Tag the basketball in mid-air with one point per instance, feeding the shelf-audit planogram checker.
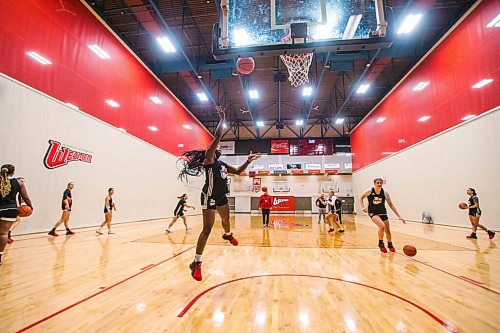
(245, 65)
(462, 205)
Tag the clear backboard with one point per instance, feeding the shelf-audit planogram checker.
(253, 27)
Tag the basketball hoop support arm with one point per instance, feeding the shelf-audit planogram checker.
(381, 22)
(223, 39)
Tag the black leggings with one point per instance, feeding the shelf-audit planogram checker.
(265, 216)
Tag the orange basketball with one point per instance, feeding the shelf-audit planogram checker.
(409, 250)
(24, 211)
(463, 205)
(264, 189)
(245, 65)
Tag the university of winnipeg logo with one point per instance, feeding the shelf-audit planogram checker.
(278, 201)
(59, 155)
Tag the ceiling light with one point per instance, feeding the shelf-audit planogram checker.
(470, 116)
(380, 120)
(112, 103)
(254, 94)
(39, 58)
(260, 123)
(153, 128)
(495, 22)
(363, 88)
(299, 122)
(424, 118)
(307, 91)
(100, 52)
(202, 97)
(339, 121)
(352, 26)
(155, 100)
(482, 83)
(166, 44)
(409, 23)
(180, 145)
(241, 37)
(73, 106)
(421, 86)
(186, 126)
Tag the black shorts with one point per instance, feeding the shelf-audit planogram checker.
(383, 216)
(474, 212)
(106, 210)
(179, 214)
(212, 202)
(9, 213)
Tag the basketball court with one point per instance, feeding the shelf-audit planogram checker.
(344, 100)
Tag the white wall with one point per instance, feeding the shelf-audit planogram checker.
(145, 177)
(433, 176)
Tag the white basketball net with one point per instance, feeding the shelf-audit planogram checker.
(298, 67)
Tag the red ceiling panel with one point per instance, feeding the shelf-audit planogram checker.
(466, 56)
(61, 31)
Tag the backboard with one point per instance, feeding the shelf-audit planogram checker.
(257, 27)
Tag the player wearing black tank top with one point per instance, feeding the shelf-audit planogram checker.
(475, 215)
(109, 206)
(179, 212)
(10, 187)
(377, 197)
(66, 205)
(213, 196)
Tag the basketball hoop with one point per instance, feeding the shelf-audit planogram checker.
(298, 64)
(298, 67)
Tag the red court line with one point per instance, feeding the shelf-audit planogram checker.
(98, 293)
(146, 267)
(427, 312)
(463, 278)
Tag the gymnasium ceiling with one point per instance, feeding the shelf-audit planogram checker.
(138, 22)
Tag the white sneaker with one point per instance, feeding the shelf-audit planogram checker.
(99, 231)
(110, 232)
(168, 231)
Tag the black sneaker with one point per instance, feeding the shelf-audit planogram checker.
(341, 230)
(195, 268)
(331, 230)
(472, 236)
(491, 234)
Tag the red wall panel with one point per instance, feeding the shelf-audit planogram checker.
(78, 76)
(466, 56)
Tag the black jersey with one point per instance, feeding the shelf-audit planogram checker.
(9, 201)
(67, 196)
(472, 201)
(320, 203)
(109, 208)
(180, 207)
(216, 179)
(376, 202)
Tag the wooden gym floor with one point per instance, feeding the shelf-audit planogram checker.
(292, 277)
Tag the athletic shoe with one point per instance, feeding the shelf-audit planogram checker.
(168, 231)
(99, 232)
(392, 249)
(342, 230)
(10, 240)
(230, 238)
(267, 225)
(53, 233)
(110, 232)
(491, 234)
(382, 248)
(195, 268)
(472, 236)
(69, 232)
(331, 230)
